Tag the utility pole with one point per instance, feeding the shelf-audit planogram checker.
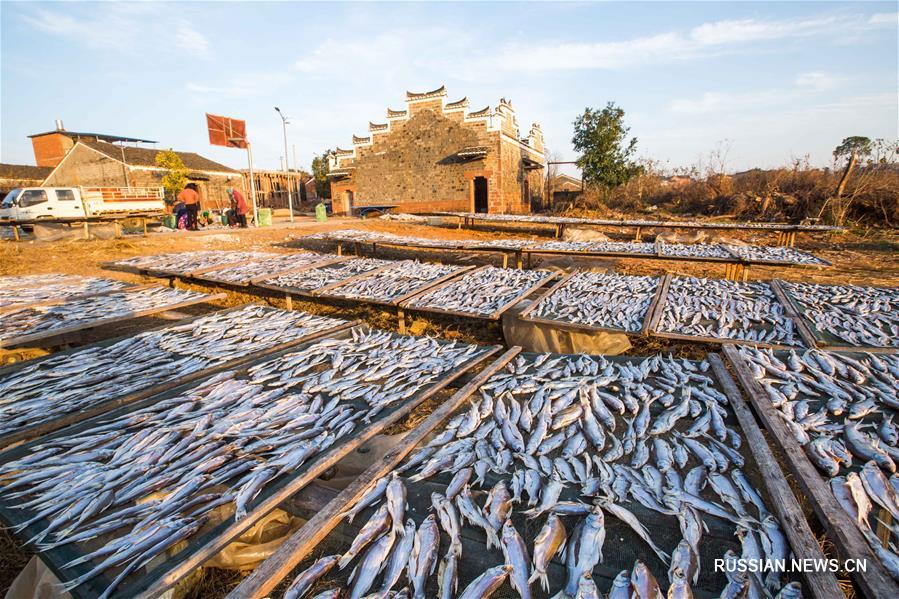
(286, 165)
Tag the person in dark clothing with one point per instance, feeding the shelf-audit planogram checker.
(191, 200)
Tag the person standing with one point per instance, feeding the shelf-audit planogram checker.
(191, 200)
(240, 208)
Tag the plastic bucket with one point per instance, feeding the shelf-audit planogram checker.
(225, 219)
(265, 217)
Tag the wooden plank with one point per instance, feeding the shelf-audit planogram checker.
(447, 278)
(523, 314)
(353, 279)
(720, 340)
(792, 310)
(404, 303)
(822, 585)
(46, 337)
(659, 299)
(210, 276)
(268, 574)
(511, 304)
(842, 530)
(43, 428)
(654, 318)
(174, 570)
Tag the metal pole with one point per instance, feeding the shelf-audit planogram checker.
(125, 166)
(296, 169)
(252, 185)
(287, 169)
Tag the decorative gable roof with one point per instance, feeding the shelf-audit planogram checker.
(437, 93)
(361, 140)
(457, 105)
(480, 113)
(395, 114)
(375, 127)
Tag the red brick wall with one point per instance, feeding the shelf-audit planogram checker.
(50, 149)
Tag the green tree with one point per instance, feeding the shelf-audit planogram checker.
(606, 156)
(320, 173)
(856, 145)
(175, 178)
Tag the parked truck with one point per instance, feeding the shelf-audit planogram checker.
(73, 203)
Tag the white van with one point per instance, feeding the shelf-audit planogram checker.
(51, 203)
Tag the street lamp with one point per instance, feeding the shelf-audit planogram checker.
(286, 165)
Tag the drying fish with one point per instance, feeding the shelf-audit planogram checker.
(17, 291)
(481, 292)
(47, 389)
(599, 300)
(726, 310)
(304, 581)
(858, 316)
(391, 283)
(242, 430)
(45, 319)
(776, 254)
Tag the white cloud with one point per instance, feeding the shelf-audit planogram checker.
(751, 30)
(704, 40)
(884, 18)
(122, 26)
(242, 86)
(818, 80)
(720, 102)
(191, 40)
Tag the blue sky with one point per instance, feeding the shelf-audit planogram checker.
(777, 79)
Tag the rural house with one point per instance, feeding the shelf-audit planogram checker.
(92, 159)
(438, 156)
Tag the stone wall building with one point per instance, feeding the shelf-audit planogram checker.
(439, 156)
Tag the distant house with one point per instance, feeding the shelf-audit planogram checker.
(566, 183)
(271, 187)
(77, 158)
(21, 175)
(565, 189)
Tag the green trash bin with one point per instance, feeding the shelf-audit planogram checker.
(169, 221)
(224, 219)
(265, 217)
(321, 212)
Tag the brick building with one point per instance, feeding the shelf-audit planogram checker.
(92, 159)
(439, 156)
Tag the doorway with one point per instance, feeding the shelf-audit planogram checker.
(480, 195)
(348, 197)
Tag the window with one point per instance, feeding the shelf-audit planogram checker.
(31, 197)
(65, 195)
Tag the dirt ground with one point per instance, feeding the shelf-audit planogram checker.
(859, 258)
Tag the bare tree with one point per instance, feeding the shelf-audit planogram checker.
(549, 181)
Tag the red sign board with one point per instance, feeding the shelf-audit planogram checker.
(225, 131)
